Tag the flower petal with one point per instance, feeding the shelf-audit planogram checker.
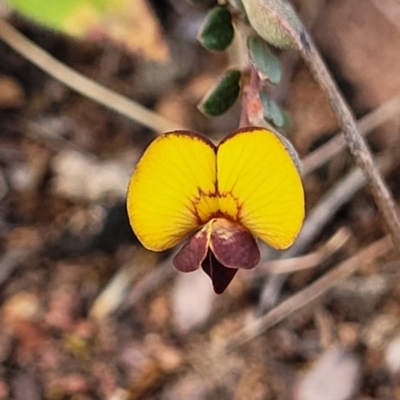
(193, 253)
(173, 189)
(233, 245)
(220, 275)
(259, 185)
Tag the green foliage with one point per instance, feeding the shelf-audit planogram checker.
(223, 95)
(274, 20)
(267, 64)
(272, 112)
(217, 32)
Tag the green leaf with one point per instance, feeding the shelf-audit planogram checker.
(222, 96)
(275, 21)
(267, 64)
(217, 32)
(272, 112)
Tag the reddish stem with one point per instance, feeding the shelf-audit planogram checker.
(251, 104)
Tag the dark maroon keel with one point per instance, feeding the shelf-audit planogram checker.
(220, 275)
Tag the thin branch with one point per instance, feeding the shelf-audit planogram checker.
(311, 260)
(149, 283)
(81, 84)
(356, 142)
(31, 243)
(277, 22)
(310, 293)
(366, 124)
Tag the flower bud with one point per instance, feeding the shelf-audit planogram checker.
(274, 20)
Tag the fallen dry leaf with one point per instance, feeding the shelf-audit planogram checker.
(132, 25)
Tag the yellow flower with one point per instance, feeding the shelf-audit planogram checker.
(223, 196)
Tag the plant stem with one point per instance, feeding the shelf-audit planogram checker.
(277, 22)
(81, 84)
(355, 141)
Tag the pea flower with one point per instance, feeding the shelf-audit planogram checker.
(219, 197)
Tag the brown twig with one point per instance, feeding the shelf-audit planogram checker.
(28, 243)
(366, 124)
(81, 84)
(277, 22)
(310, 293)
(311, 260)
(128, 286)
(149, 283)
(355, 141)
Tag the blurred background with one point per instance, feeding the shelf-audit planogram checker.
(87, 313)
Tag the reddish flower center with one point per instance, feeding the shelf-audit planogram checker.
(220, 247)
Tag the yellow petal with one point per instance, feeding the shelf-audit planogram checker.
(173, 189)
(259, 185)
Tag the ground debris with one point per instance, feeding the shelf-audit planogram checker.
(86, 313)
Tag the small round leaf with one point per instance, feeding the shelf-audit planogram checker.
(272, 112)
(267, 64)
(217, 32)
(275, 21)
(222, 96)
